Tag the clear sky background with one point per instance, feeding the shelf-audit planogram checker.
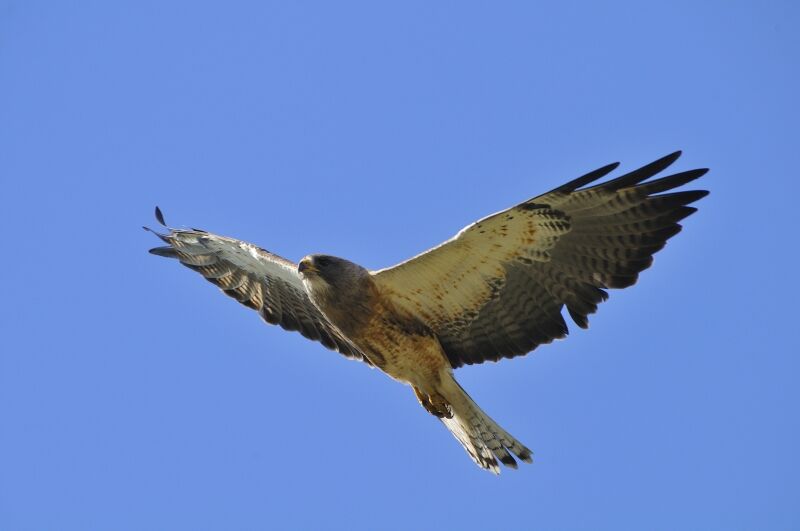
(133, 395)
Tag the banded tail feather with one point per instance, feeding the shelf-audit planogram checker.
(483, 439)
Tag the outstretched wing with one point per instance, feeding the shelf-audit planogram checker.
(496, 290)
(256, 278)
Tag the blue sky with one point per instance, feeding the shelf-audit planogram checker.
(134, 396)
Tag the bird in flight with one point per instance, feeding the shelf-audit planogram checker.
(495, 290)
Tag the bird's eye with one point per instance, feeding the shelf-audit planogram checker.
(323, 261)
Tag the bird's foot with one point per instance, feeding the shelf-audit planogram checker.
(435, 404)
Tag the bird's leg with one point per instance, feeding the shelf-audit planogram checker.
(435, 403)
(422, 397)
(440, 407)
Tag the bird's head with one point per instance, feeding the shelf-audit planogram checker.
(322, 271)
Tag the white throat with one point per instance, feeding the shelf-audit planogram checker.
(315, 286)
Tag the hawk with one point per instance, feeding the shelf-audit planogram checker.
(495, 290)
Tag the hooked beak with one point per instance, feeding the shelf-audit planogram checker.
(306, 266)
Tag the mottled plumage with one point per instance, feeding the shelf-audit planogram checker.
(496, 290)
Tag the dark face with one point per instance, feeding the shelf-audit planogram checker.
(322, 266)
(338, 287)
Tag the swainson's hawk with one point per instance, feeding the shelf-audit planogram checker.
(496, 290)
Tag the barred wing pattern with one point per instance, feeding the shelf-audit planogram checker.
(256, 278)
(497, 289)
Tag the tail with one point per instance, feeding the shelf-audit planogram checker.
(481, 437)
